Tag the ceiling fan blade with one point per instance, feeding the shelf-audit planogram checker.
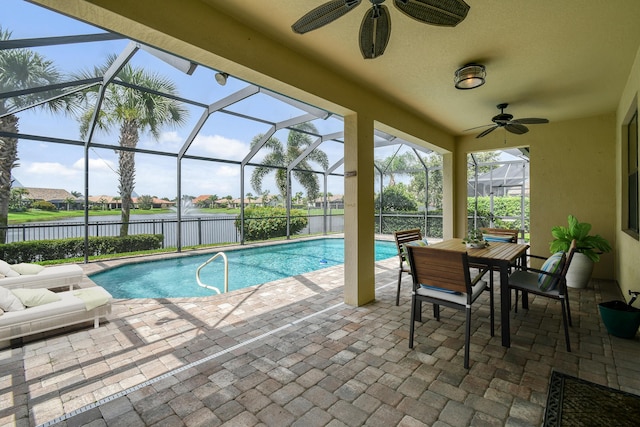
(516, 128)
(478, 127)
(486, 132)
(530, 121)
(435, 12)
(375, 31)
(323, 14)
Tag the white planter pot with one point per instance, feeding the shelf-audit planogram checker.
(580, 271)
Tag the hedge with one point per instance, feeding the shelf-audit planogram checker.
(262, 223)
(44, 250)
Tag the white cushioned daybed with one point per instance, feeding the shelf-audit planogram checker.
(30, 311)
(34, 276)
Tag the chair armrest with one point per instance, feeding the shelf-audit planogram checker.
(480, 274)
(537, 256)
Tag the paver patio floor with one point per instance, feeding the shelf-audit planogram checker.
(292, 353)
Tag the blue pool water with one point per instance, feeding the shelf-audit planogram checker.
(247, 267)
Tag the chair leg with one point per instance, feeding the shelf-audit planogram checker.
(436, 312)
(565, 323)
(566, 298)
(467, 338)
(516, 305)
(398, 292)
(412, 321)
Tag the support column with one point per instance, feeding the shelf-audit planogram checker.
(359, 256)
(449, 214)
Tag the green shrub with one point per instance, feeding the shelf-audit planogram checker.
(45, 250)
(44, 206)
(502, 207)
(261, 223)
(396, 198)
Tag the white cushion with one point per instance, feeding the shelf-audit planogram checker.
(8, 301)
(460, 299)
(5, 269)
(35, 297)
(68, 304)
(25, 268)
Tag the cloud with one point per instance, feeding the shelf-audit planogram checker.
(46, 169)
(96, 165)
(219, 147)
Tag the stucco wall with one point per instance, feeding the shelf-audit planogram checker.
(572, 172)
(628, 248)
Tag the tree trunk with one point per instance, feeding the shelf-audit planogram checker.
(127, 171)
(8, 159)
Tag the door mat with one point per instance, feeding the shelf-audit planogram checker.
(575, 402)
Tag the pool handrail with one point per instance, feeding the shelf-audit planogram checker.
(226, 273)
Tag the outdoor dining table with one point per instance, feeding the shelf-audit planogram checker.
(497, 254)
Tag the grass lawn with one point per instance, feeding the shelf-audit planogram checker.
(34, 215)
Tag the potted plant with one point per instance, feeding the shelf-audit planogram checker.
(620, 318)
(474, 239)
(587, 253)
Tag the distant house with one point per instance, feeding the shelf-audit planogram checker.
(157, 203)
(114, 202)
(60, 198)
(335, 201)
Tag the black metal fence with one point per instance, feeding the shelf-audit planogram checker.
(207, 230)
(203, 230)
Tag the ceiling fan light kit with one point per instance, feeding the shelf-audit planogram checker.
(375, 29)
(470, 76)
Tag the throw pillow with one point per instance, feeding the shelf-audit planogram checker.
(27, 268)
(547, 282)
(6, 270)
(422, 242)
(35, 297)
(8, 301)
(496, 238)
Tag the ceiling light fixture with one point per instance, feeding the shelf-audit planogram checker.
(470, 76)
(221, 78)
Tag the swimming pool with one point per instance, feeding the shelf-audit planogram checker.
(247, 267)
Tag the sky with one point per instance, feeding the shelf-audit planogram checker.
(224, 136)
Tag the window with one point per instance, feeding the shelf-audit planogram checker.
(632, 168)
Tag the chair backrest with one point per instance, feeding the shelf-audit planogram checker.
(511, 234)
(405, 236)
(439, 268)
(565, 267)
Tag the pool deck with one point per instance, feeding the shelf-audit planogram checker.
(291, 352)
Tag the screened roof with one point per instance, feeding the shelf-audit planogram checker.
(212, 143)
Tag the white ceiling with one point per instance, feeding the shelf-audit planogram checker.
(547, 58)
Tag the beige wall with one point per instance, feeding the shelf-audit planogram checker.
(572, 172)
(627, 247)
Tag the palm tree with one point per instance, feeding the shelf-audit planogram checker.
(19, 69)
(281, 157)
(212, 200)
(134, 112)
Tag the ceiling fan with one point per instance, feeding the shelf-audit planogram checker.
(376, 24)
(504, 120)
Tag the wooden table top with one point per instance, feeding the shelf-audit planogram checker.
(499, 251)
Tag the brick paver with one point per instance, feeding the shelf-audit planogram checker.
(347, 366)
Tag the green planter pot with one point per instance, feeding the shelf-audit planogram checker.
(620, 319)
